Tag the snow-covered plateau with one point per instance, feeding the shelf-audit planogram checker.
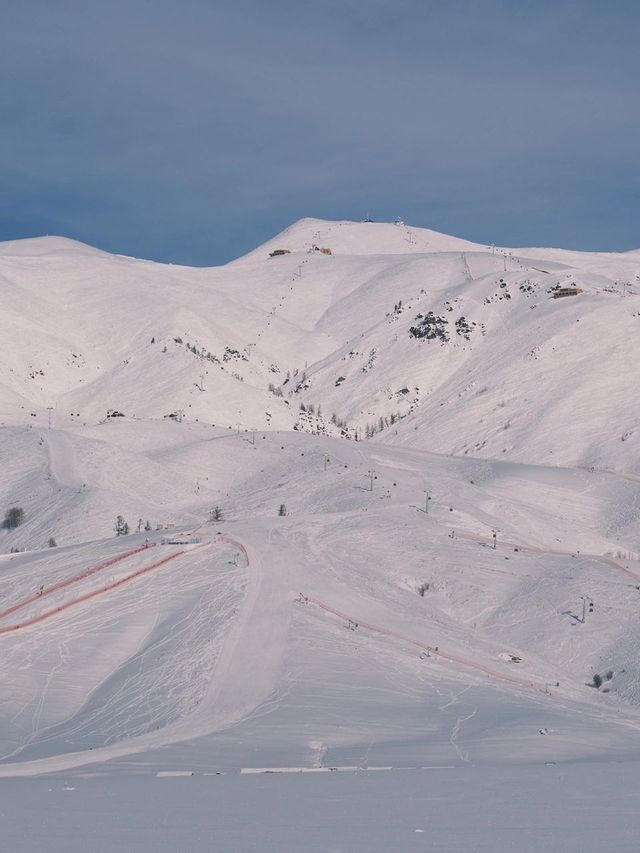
(380, 585)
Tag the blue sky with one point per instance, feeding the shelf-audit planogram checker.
(191, 131)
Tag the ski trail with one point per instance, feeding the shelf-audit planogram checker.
(254, 646)
(531, 549)
(41, 617)
(62, 464)
(434, 651)
(92, 570)
(462, 754)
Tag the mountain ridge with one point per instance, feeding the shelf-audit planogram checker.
(394, 325)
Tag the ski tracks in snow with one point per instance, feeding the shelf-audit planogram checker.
(432, 651)
(462, 754)
(62, 463)
(244, 676)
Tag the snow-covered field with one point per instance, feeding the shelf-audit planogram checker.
(426, 549)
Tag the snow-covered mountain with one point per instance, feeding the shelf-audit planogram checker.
(383, 508)
(442, 344)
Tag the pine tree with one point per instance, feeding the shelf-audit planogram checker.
(216, 513)
(121, 527)
(13, 517)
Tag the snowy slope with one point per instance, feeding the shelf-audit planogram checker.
(220, 628)
(511, 370)
(350, 608)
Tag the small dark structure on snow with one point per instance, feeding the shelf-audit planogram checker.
(567, 291)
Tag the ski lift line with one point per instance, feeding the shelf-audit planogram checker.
(87, 573)
(530, 549)
(94, 593)
(425, 647)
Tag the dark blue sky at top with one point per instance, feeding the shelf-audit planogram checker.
(191, 131)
